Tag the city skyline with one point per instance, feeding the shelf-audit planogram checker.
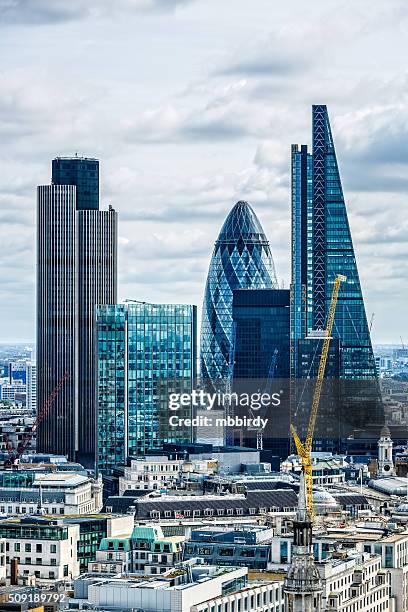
(177, 151)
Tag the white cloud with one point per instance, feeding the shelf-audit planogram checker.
(177, 151)
(60, 11)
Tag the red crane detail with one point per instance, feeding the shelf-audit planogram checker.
(42, 413)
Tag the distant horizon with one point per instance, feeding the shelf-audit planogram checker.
(32, 342)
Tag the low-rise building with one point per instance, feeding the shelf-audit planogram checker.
(328, 470)
(145, 550)
(16, 431)
(188, 588)
(92, 530)
(393, 552)
(59, 493)
(43, 548)
(160, 472)
(247, 546)
(356, 582)
(156, 506)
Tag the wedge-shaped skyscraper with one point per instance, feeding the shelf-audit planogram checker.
(322, 248)
(241, 259)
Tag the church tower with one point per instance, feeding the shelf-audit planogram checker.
(302, 587)
(385, 462)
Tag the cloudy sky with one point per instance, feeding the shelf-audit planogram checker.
(191, 105)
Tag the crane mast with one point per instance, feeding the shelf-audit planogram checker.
(304, 449)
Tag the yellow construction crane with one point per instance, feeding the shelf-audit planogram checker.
(304, 449)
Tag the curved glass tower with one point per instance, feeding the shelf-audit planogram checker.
(241, 259)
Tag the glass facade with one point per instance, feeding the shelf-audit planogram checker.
(83, 172)
(322, 248)
(261, 361)
(11, 531)
(333, 254)
(261, 320)
(145, 353)
(241, 259)
(302, 216)
(92, 530)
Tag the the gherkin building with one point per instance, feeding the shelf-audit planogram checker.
(241, 259)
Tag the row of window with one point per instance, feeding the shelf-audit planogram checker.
(218, 512)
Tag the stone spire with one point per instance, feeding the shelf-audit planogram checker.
(302, 587)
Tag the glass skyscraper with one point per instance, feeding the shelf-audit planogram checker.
(262, 333)
(322, 248)
(145, 353)
(83, 172)
(241, 259)
(261, 319)
(76, 269)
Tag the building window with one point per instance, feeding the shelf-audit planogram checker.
(284, 552)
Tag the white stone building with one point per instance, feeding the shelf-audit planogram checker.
(44, 549)
(393, 551)
(160, 472)
(356, 583)
(58, 493)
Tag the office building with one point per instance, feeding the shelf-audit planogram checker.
(76, 269)
(247, 546)
(13, 392)
(190, 587)
(93, 529)
(261, 361)
(322, 248)
(241, 259)
(44, 548)
(356, 582)
(145, 353)
(262, 333)
(82, 172)
(252, 503)
(144, 551)
(59, 493)
(31, 385)
(17, 372)
(393, 553)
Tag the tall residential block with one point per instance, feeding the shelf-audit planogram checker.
(322, 248)
(76, 270)
(145, 353)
